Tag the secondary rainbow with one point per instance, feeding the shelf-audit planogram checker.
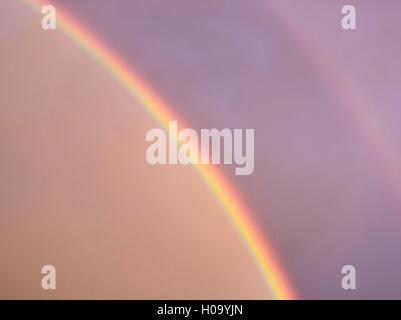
(258, 245)
(356, 106)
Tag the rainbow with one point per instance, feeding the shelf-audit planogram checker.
(128, 78)
(354, 104)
